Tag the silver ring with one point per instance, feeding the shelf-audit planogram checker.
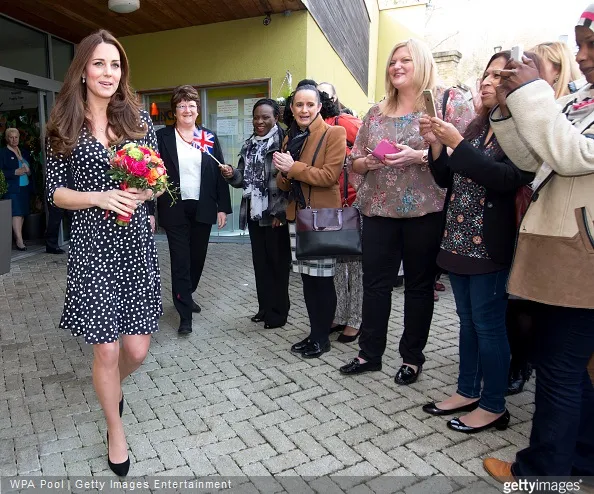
(138, 203)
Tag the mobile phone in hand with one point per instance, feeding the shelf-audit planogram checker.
(429, 103)
(517, 52)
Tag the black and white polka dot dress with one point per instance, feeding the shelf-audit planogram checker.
(113, 284)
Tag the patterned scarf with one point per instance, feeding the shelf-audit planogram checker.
(255, 180)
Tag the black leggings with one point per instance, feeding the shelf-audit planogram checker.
(519, 320)
(320, 300)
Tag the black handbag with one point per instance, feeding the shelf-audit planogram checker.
(328, 232)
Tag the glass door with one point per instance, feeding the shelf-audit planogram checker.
(20, 109)
(228, 113)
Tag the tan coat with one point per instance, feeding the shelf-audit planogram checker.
(323, 176)
(554, 258)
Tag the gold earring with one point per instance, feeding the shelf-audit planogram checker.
(556, 80)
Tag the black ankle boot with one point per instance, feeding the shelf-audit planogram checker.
(517, 379)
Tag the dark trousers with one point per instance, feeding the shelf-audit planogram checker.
(484, 350)
(188, 243)
(52, 231)
(562, 437)
(271, 255)
(387, 242)
(520, 322)
(320, 300)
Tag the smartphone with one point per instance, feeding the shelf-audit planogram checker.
(516, 53)
(429, 103)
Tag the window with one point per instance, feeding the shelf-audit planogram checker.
(62, 54)
(23, 48)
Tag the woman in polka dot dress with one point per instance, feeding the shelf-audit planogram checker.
(113, 285)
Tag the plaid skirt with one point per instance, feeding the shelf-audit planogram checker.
(324, 268)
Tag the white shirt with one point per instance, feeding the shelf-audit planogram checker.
(190, 168)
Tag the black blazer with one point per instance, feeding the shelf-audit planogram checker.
(214, 190)
(501, 178)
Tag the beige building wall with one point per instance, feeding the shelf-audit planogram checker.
(396, 25)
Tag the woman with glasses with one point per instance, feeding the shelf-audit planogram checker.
(192, 156)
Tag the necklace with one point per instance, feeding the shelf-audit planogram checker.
(183, 138)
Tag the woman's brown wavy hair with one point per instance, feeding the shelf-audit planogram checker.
(70, 113)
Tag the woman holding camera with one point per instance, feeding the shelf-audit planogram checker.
(476, 249)
(553, 258)
(401, 207)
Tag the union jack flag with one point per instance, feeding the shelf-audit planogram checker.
(203, 140)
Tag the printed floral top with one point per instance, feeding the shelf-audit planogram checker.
(463, 249)
(411, 191)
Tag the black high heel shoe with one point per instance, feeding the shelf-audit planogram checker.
(120, 469)
(122, 405)
(517, 379)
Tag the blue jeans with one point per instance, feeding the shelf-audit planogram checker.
(562, 437)
(481, 302)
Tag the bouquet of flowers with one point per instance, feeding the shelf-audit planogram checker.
(138, 167)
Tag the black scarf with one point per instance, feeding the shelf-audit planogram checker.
(297, 139)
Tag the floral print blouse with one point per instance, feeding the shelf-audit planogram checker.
(402, 192)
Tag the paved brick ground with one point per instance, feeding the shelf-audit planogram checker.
(230, 399)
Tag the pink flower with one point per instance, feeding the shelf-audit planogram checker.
(136, 168)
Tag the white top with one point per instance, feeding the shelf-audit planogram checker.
(190, 168)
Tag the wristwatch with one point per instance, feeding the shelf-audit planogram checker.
(425, 157)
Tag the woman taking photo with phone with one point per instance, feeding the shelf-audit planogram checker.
(401, 207)
(309, 169)
(553, 259)
(263, 212)
(476, 249)
(559, 69)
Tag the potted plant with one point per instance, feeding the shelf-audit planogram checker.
(5, 227)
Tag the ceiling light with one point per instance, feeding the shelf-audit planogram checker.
(124, 6)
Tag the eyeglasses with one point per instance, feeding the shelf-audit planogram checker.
(187, 107)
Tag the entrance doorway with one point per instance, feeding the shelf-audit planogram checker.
(20, 109)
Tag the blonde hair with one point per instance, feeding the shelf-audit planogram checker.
(424, 73)
(560, 56)
(11, 130)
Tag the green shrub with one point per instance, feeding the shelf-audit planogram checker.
(3, 185)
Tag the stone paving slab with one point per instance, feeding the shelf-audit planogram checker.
(229, 399)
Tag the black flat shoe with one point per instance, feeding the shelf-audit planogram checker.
(300, 346)
(259, 317)
(315, 349)
(22, 249)
(122, 405)
(356, 367)
(185, 327)
(406, 375)
(431, 409)
(272, 326)
(54, 250)
(339, 328)
(499, 423)
(120, 469)
(344, 338)
(196, 308)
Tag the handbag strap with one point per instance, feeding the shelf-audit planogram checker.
(345, 178)
(313, 162)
